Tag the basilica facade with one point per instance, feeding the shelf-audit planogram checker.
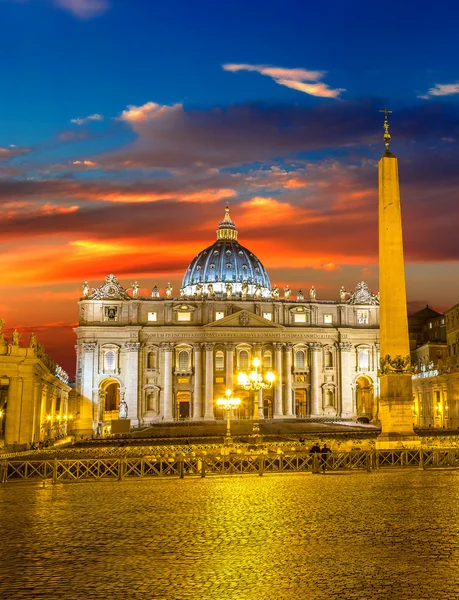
(168, 357)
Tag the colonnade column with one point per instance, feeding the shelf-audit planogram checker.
(288, 381)
(315, 395)
(347, 409)
(209, 407)
(278, 412)
(167, 390)
(229, 365)
(84, 422)
(197, 396)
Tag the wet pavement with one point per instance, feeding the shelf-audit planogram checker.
(353, 535)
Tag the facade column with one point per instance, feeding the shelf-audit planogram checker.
(197, 394)
(278, 412)
(315, 395)
(288, 381)
(131, 384)
(167, 389)
(259, 354)
(84, 421)
(347, 408)
(209, 406)
(229, 365)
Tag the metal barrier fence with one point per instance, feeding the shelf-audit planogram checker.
(201, 466)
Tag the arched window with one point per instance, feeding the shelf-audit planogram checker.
(328, 358)
(109, 360)
(243, 360)
(151, 360)
(299, 359)
(183, 360)
(267, 360)
(219, 361)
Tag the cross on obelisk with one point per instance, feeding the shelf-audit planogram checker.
(386, 127)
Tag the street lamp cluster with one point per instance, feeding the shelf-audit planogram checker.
(252, 381)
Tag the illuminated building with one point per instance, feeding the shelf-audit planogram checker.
(170, 356)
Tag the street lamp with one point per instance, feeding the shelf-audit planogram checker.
(228, 404)
(254, 381)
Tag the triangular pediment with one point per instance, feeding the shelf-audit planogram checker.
(244, 318)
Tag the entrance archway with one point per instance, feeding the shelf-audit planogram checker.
(182, 405)
(301, 404)
(364, 397)
(109, 398)
(267, 408)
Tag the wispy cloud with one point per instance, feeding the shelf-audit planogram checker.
(84, 120)
(302, 80)
(84, 9)
(441, 89)
(11, 152)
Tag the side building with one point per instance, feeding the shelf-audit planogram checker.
(34, 393)
(169, 358)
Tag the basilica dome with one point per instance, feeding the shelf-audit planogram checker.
(226, 262)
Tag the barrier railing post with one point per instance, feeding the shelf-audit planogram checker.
(3, 471)
(315, 463)
(120, 469)
(421, 459)
(203, 468)
(181, 469)
(55, 471)
(368, 462)
(261, 465)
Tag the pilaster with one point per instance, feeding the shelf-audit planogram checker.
(315, 350)
(209, 394)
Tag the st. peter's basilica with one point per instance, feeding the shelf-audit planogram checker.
(168, 357)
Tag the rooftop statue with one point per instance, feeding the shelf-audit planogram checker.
(275, 292)
(210, 291)
(300, 296)
(155, 292)
(342, 294)
(135, 289)
(168, 290)
(287, 292)
(312, 294)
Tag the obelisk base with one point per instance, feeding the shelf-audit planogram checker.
(396, 413)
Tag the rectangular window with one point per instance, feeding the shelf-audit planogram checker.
(299, 378)
(364, 360)
(152, 316)
(219, 315)
(268, 316)
(328, 318)
(363, 317)
(299, 317)
(110, 313)
(183, 316)
(219, 380)
(183, 380)
(430, 325)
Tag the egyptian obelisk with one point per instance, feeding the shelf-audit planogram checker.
(396, 391)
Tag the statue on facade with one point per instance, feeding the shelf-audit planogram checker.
(229, 291)
(135, 289)
(210, 291)
(155, 292)
(32, 341)
(123, 410)
(199, 290)
(16, 337)
(258, 291)
(342, 294)
(244, 290)
(182, 292)
(168, 290)
(287, 292)
(300, 296)
(275, 292)
(85, 288)
(312, 294)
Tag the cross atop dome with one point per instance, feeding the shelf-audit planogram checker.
(227, 228)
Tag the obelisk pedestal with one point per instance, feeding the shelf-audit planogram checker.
(396, 391)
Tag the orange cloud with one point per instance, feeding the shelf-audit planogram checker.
(147, 111)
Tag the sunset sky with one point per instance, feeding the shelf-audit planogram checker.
(126, 125)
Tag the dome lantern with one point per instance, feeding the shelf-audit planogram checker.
(227, 228)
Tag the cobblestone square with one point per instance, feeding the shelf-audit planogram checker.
(308, 537)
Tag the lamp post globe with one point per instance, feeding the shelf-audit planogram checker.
(228, 403)
(254, 382)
